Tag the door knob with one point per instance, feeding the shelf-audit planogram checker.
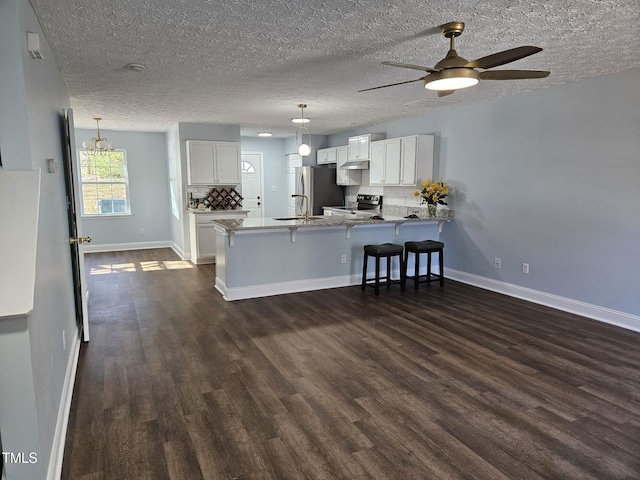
(79, 240)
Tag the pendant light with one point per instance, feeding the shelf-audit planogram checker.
(304, 148)
(98, 145)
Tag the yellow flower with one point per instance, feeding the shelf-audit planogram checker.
(432, 192)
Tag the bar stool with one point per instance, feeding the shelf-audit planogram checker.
(428, 247)
(385, 250)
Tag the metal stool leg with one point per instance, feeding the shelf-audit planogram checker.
(441, 263)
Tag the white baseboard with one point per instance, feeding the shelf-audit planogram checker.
(180, 252)
(595, 312)
(118, 247)
(280, 288)
(57, 449)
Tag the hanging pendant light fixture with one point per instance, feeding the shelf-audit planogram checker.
(98, 145)
(304, 148)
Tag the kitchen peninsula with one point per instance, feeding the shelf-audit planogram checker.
(263, 257)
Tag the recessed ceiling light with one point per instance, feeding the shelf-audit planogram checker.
(265, 134)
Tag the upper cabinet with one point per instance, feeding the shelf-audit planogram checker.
(344, 176)
(325, 156)
(401, 161)
(213, 163)
(359, 147)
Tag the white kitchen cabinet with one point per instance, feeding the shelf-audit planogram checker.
(206, 243)
(213, 163)
(385, 165)
(401, 161)
(325, 156)
(359, 146)
(408, 159)
(343, 175)
(202, 233)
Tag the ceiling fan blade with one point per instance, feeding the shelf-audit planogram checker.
(409, 65)
(503, 57)
(392, 84)
(513, 74)
(444, 93)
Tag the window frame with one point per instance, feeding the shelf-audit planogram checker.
(126, 184)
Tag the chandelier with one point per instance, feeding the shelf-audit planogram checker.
(98, 145)
(304, 149)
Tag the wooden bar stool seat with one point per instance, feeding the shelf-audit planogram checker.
(428, 247)
(388, 251)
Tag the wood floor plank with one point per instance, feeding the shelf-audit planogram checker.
(439, 383)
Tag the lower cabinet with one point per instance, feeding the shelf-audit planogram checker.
(202, 234)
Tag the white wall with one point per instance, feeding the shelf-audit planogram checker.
(549, 178)
(14, 138)
(176, 196)
(148, 189)
(37, 97)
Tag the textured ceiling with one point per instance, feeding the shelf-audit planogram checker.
(250, 62)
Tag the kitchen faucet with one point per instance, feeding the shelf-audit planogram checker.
(306, 212)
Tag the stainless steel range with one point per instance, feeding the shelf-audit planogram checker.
(366, 206)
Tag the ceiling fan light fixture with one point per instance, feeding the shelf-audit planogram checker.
(452, 79)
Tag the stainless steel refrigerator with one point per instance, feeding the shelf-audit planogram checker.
(319, 184)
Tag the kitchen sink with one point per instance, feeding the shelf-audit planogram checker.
(297, 218)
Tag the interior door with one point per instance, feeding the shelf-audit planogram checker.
(252, 184)
(75, 228)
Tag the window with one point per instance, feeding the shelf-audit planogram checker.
(247, 167)
(104, 183)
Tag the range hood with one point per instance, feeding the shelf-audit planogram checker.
(356, 165)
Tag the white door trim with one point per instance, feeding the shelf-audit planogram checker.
(260, 154)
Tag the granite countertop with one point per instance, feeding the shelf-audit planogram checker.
(320, 221)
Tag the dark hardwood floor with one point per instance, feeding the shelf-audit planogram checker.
(443, 383)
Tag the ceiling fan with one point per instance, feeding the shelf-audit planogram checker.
(454, 72)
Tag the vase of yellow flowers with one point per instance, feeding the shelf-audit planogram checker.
(433, 194)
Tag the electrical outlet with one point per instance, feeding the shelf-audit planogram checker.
(343, 259)
(141, 230)
(496, 262)
(525, 268)
(64, 339)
